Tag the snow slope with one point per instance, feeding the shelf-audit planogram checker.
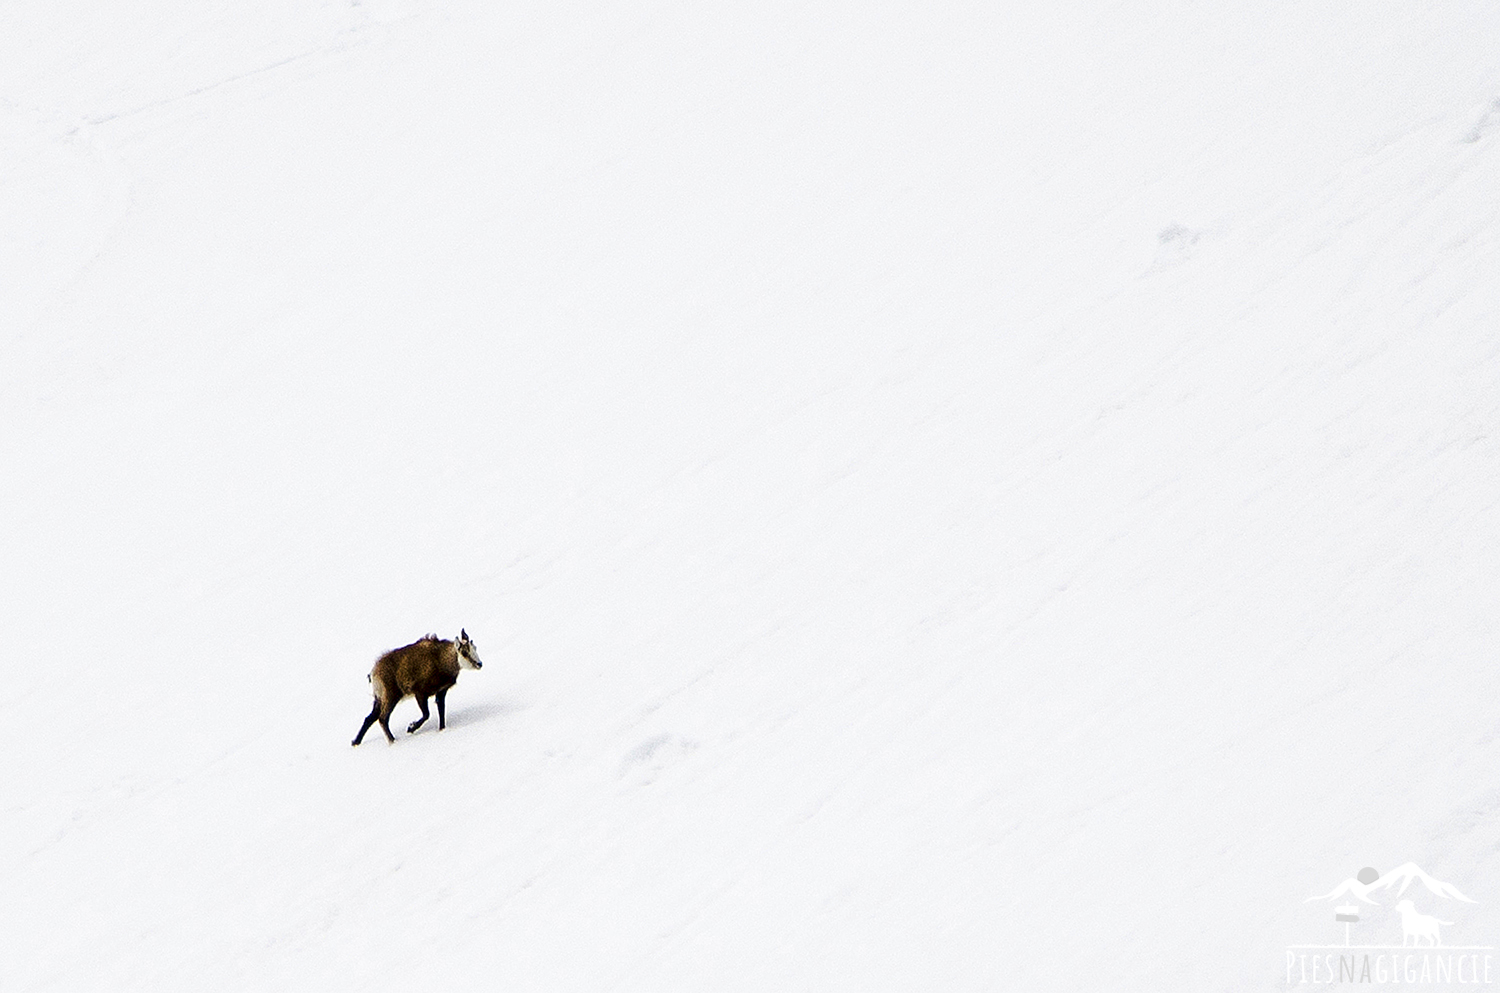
(949, 496)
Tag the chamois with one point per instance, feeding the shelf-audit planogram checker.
(428, 667)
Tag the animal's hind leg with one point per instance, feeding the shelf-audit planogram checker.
(374, 713)
(385, 720)
(421, 702)
(442, 721)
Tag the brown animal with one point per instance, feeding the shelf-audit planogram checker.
(424, 668)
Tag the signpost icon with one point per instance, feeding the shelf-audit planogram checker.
(1349, 914)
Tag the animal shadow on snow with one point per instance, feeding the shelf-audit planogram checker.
(479, 712)
(461, 717)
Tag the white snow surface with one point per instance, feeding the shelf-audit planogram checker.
(949, 496)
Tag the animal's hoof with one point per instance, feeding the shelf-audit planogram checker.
(411, 728)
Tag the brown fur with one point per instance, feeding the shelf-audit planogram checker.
(426, 668)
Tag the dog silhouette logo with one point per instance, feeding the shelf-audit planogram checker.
(1415, 926)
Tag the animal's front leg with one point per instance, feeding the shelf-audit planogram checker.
(421, 702)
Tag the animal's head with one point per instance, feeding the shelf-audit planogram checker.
(1406, 905)
(468, 653)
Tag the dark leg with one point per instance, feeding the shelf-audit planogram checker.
(421, 702)
(442, 720)
(374, 713)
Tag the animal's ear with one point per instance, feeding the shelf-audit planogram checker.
(463, 635)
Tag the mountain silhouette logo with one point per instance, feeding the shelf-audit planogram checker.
(1369, 882)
